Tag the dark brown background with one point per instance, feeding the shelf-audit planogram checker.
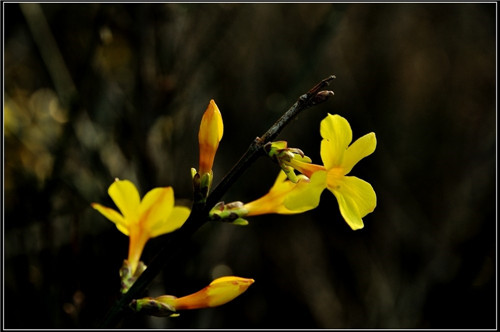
(421, 76)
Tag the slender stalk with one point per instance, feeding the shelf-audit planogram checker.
(200, 210)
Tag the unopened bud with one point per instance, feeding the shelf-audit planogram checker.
(228, 212)
(153, 307)
(321, 97)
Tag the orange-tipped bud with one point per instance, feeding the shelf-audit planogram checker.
(219, 292)
(209, 136)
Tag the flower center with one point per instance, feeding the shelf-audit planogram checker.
(334, 178)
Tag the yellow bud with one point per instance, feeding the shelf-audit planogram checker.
(209, 136)
(219, 292)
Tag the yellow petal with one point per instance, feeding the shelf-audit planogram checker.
(114, 216)
(305, 168)
(306, 194)
(156, 206)
(126, 197)
(281, 185)
(218, 118)
(209, 136)
(356, 198)
(272, 202)
(175, 220)
(364, 146)
(215, 118)
(337, 135)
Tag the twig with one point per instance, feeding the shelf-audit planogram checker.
(199, 212)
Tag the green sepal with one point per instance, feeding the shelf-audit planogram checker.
(151, 306)
(290, 173)
(126, 277)
(283, 155)
(273, 148)
(228, 212)
(304, 159)
(240, 222)
(201, 185)
(206, 181)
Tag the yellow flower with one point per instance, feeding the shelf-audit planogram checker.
(219, 292)
(356, 198)
(141, 220)
(209, 136)
(273, 201)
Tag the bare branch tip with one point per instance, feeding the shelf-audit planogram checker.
(329, 79)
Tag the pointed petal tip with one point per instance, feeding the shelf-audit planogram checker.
(355, 228)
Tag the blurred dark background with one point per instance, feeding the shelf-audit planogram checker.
(98, 91)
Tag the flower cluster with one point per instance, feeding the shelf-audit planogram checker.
(156, 214)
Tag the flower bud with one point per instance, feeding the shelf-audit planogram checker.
(219, 292)
(209, 136)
